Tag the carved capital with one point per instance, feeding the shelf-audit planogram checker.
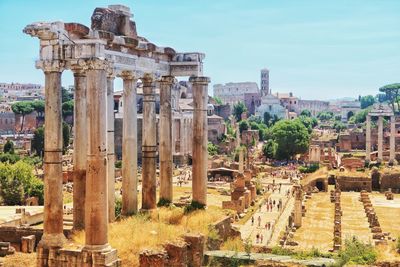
(127, 75)
(50, 65)
(167, 80)
(79, 68)
(148, 79)
(199, 80)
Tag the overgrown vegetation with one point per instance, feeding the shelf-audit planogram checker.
(193, 206)
(310, 168)
(356, 252)
(212, 149)
(300, 255)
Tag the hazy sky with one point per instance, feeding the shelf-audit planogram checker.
(315, 49)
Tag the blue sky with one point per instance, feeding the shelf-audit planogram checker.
(315, 49)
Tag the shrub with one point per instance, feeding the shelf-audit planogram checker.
(194, 205)
(9, 158)
(118, 164)
(163, 202)
(118, 207)
(356, 252)
(309, 169)
(9, 147)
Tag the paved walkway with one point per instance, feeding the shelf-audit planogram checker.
(258, 227)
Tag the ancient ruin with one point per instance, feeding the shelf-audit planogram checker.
(110, 48)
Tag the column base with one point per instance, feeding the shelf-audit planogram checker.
(52, 240)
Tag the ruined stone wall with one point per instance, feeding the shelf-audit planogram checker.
(348, 183)
(390, 181)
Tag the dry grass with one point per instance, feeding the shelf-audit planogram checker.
(233, 244)
(20, 259)
(130, 236)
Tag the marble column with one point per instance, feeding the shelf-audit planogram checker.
(110, 146)
(96, 209)
(368, 139)
(149, 144)
(53, 235)
(129, 146)
(200, 131)
(166, 139)
(392, 138)
(80, 149)
(380, 138)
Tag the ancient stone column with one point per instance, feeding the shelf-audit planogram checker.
(166, 138)
(53, 197)
(96, 209)
(368, 139)
(241, 161)
(200, 153)
(298, 206)
(149, 144)
(380, 138)
(80, 148)
(129, 146)
(392, 138)
(110, 146)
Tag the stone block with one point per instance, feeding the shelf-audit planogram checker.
(152, 258)
(195, 249)
(177, 253)
(28, 244)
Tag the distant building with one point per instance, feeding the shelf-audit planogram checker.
(233, 93)
(314, 106)
(264, 82)
(14, 91)
(272, 105)
(288, 101)
(348, 109)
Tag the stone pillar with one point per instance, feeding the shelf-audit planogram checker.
(241, 161)
(110, 147)
(129, 146)
(149, 144)
(96, 209)
(392, 138)
(380, 139)
(80, 149)
(368, 139)
(53, 197)
(166, 139)
(298, 206)
(200, 131)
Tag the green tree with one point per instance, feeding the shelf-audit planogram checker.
(38, 106)
(291, 137)
(68, 108)
(9, 147)
(243, 126)
(367, 101)
(309, 122)
(66, 135)
(218, 100)
(325, 115)
(269, 149)
(305, 113)
(37, 142)
(339, 126)
(238, 110)
(22, 108)
(392, 92)
(267, 118)
(66, 95)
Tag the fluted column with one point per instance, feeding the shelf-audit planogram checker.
(80, 149)
(129, 146)
(380, 138)
(149, 144)
(200, 131)
(392, 138)
(166, 138)
(96, 210)
(110, 146)
(368, 139)
(53, 196)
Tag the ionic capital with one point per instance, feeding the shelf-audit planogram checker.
(50, 65)
(148, 79)
(127, 75)
(167, 80)
(199, 80)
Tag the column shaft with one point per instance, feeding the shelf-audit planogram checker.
(80, 150)
(53, 197)
(166, 139)
(129, 148)
(392, 138)
(110, 149)
(380, 138)
(96, 210)
(200, 154)
(149, 145)
(368, 139)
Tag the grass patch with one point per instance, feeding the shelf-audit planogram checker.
(356, 252)
(301, 255)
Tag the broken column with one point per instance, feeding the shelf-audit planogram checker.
(200, 153)
(129, 146)
(96, 210)
(53, 236)
(241, 161)
(298, 209)
(166, 138)
(80, 145)
(392, 155)
(110, 146)
(380, 139)
(149, 144)
(368, 139)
